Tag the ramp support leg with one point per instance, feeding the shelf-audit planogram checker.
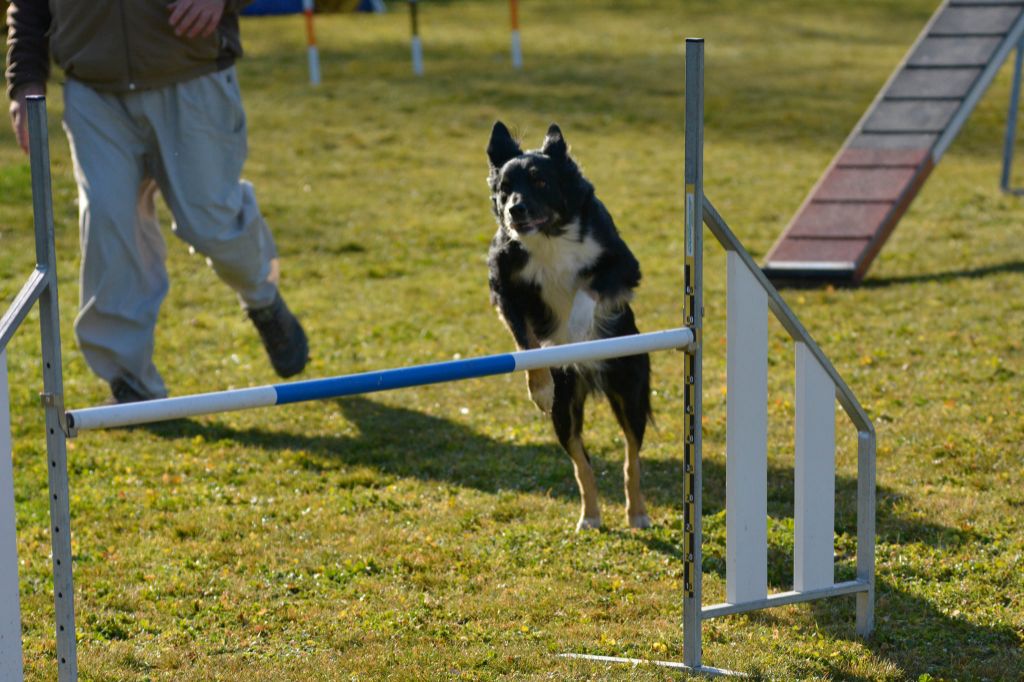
(1011, 123)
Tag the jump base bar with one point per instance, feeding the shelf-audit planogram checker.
(701, 670)
(112, 416)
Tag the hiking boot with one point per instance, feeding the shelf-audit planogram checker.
(122, 392)
(282, 336)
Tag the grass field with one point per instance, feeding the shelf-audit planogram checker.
(428, 533)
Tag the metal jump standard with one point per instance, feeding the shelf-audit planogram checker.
(750, 296)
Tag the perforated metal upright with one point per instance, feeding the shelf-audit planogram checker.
(53, 392)
(41, 288)
(693, 177)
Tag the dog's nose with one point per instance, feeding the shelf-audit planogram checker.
(517, 211)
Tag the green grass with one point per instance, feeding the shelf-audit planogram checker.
(427, 533)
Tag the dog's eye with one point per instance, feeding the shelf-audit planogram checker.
(539, 183)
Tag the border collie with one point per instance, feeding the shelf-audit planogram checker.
(560, 272)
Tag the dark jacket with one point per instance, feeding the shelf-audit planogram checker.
(113, 45)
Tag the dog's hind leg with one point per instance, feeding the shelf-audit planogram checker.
(567, 416)
(631, 404)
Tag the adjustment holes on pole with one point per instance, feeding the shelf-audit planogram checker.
(51, 432)
(55, 497)
(62, 628)
(63, 661)
(53, 462)
(56, 529)
(60, 595)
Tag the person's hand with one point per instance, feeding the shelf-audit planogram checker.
(194, 18)
(19, 111)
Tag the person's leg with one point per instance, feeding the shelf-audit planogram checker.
(201, 134)
(123, 276)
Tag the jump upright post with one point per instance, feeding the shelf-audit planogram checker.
(41, 288)
(750, 297)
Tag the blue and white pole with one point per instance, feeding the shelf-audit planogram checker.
(112, 416)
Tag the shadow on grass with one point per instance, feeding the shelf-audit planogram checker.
(663, 485)
(918, 638)
(980, 272)
(405, 443)
(1010, 267)
(914, 636)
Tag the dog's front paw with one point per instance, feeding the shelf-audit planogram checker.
(541, 388)
(588, 523)
(640, 521)
(581, 317)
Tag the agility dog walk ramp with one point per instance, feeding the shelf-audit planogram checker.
(855, 205)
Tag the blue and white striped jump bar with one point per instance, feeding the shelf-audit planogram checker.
(111, 416)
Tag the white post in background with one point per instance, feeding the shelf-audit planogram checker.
(746, 440)
(814, 504)
(314, 54)
(10, 611)
(417, 46)
(517, 46)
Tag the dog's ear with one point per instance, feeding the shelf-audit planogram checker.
(502, 146)
(554, 143)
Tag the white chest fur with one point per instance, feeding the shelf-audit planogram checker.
(555, 265)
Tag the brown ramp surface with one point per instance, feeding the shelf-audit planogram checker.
(868, 186)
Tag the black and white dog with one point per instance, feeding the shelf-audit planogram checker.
(560, 272)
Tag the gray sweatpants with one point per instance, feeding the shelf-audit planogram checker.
(189, 142)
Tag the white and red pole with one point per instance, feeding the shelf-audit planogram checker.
(314, 55)
(517, 48)
(417, 46)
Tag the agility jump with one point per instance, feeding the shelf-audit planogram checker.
(416, 44)
(750, 297)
